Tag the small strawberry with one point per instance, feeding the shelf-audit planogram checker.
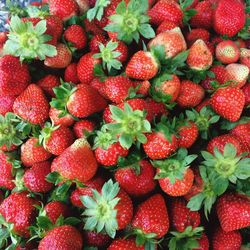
(228, 102)
(32, 105)
(56, 116)
(128, 243)
(83, 127)
(233, 211)
(70, 74)
(196, 34)
(174, 175)
(191, 94)
(6, 104)
(47, 84)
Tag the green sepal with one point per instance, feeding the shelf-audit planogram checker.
(98, 10)
(104, 139)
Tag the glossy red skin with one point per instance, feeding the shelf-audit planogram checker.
(123, 49)
(32, 105)
(6, 103)
(120, 244)
(151, 216)
(96, 239)
(76, 35)
(19, 209)
(66, 120)
(99, 85)
(180, 187)
(158, 147)
(203, 243)
(165, 26)
(137, 185)
(80, 127)
(246, 91)
(95, 41)
(70, 74)
(56, 208)
(233, 211)
(35, 177)
(144, 87)
(91, 27)
(47, 84)
(63, 237)
(32, 153)
(55, 24)
(196, 34)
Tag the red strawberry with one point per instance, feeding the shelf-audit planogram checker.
(95, 42)
(196, 34)
(61, 60)
(55, 26)
(32, 105)
(151, 216)
(32, 153)
(203, 243)
(226, 240)
(165, 26)
(223, 23)
(245, 57)
(92, 28)
(6, 103)
(98, 84)
(246, 92)
(137, 179)
(64, 9)
(62, 237)
(47, 84)
(70, 74)
(76, 35)
(191, 94)
(35, 177)
(96, 239)
(199, 57)
(228, 102)
(77, 162)
(19, 209)
(66, 120)
(233, 211)
(85, 67)
(143, 87)
(81, 127)
(13, 84)
(157, 109)
(128, 243)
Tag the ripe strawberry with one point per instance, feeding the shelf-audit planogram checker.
(61, 60)
(83, 127)
(54, 115)
(64, 9)
(76, 36)
(156, 109)
(98, 84)
(227, 52)
(233, 211)
(137, 179)
(245, 57)
(143, 87)
(96, 239)
(6, 104)
(142, 66)
(228, 102)
(55, 26)
(19, 209)
(203, 243)
(199, 57)
(47, 84)
(191, 94)
(196, 34)
(117, 88)
(223, 23)
(95, 42)
(92, 28)
(32, 105)
(13, 84)
(165, 26)
(70, 74)
(62, 237)
(172, 41)
(151, 216)
(165, 11)
(77, 162)
(32, 153)
(112, 198)
(238, 73)
(246, 92)
(35, 177)
(128, 243)
(174, 175)
(226, 240)
(85, 67)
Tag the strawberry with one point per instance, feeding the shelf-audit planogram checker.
(96, 239)
(92, 28)
(117, 88)
(77, 162)
(55, 116)
(238, 73)
(95, 41)
(227, 52)
(223, 23)
(32, 105)
(196, 34)
(128, 243)
(174, 175)
(172, 41)
(142, 87)
(165, 26)
(76, 36)
(32, 152)
(83, 127)
(203, 243)
(64, 9)
(156, 109)
(85, 67)
(61, 60)
(142, 66)
(199, 57)
(233, 211)
(228, 102)
(98, 84)
(191, 94)
(13, 84)
(70, 74)
(54, 26)
(111, 200)
(246, 92)
(62, 237)
(35, 177)
(6, 104)
(136, 179)
(47, 84)
(222, 240)
(245, 57)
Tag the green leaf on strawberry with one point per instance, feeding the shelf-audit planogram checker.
(98, 10)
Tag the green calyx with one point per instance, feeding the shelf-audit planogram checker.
(100, 213)
(27, 41)
(14, 8)
(186, 240)
(98, 10)
(187, 13)
(108, 54)
(41, 11)
(104, 139)
(146, 240)
(129, 124)
(131, 21)
(175, 166)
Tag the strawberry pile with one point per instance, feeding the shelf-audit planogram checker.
(124, 124)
